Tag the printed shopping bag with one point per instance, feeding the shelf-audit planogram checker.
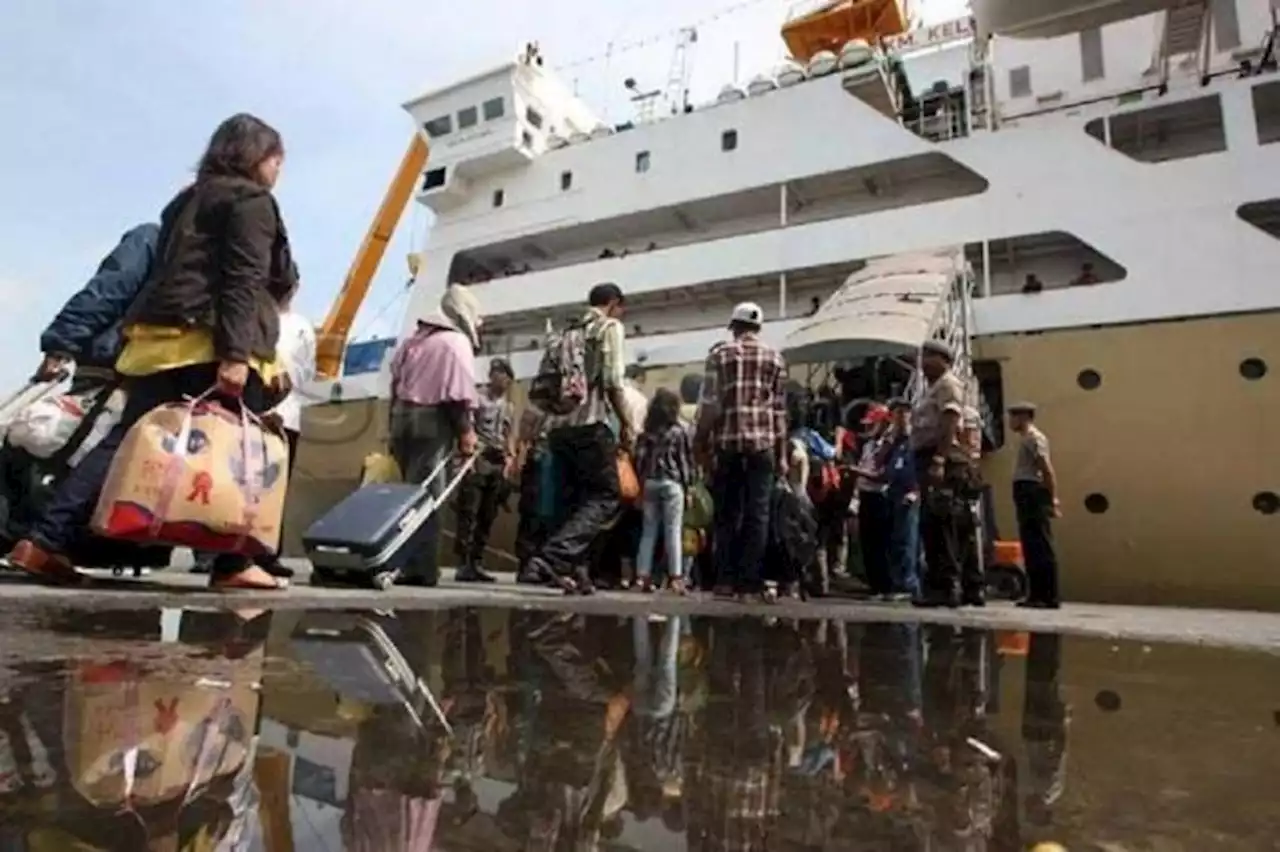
(197, 475)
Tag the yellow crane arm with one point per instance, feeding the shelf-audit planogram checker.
(331, 337)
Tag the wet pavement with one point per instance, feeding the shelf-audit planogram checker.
(175, 588)
(513, 728)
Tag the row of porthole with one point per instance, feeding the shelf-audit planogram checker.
(1251, 369)
(1264, 503)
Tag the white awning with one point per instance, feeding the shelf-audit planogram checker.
(1052, 18)
(885, 309)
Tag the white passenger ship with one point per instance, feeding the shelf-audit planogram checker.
(1107, 171)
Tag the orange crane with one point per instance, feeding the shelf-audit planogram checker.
(331, 337)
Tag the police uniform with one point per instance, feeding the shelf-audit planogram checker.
(949, 528)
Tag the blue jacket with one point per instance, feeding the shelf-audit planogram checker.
(89, 327)
(900, 470)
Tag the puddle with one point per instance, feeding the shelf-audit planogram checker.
(500, 729)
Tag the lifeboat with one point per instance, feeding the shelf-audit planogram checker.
(828, 25)
(822, 63)
(1051, 18)
(761, 84)
(789, 73)
(854, 53)
(730, 94)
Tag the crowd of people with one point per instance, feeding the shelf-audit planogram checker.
(733, 490)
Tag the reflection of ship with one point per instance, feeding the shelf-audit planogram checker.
(1110, 178)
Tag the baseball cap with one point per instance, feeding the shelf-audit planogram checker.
(875, 413)
(747, 313)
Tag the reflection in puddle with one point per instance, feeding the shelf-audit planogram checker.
(509, 730)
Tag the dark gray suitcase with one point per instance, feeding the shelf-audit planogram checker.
(359, 660)
(372, 533)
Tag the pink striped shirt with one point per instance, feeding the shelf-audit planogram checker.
(434, 366)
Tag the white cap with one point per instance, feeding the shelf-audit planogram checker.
(748, 313)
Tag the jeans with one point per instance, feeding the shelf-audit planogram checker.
(663, 511)
(586, 459)
(422, 436)
(904, 547)
(741, 487)
(655, 680)
(71, 506)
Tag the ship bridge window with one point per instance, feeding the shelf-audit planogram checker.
(1092, 65)
(642, 162)
(1020, 81)
(532, 116)
(438, 127)
(566, 181)
(1169, 131)
(1266, 112)
(729, 140)
(434, 178)
(492, 109)
(468, 117)
(499, 197)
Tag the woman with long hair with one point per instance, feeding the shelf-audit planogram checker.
(664, 463)
(207, 317)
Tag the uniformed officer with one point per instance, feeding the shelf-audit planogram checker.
(948, 527)
(1035, 500)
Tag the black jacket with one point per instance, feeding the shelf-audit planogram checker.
(224, 264)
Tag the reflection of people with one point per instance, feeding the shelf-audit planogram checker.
(1044, 727)
(106, 706)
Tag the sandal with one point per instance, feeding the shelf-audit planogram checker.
(677, 586)
(644, 585)
(251, 579)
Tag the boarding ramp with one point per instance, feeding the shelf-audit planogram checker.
(890, 308)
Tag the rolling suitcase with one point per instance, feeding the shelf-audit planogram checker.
(359, 660)
(372, 533)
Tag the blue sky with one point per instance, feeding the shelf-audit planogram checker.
(108, 105)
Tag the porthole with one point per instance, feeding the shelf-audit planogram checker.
(1097, 504)
(1108, 700)
(1266, 502)
(1089, 379)
(1253, 368)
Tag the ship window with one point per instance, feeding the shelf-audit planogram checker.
(1168, 131)
(1266, 112)
(532, 116)
(642, 162)
(1253, 368)
(566, 181)
(492, 108)
(1097, 504)
(527, 138)
(498, 197)
(1266, 502)
(1089, 380)
(729, 140)
(1020, 81)
(434, 178)
(468, 117)
(1091, 59)
(1226, 24)
(438, 127)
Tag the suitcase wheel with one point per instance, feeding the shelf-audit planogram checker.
(384, 580)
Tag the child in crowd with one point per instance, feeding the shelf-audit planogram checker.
(664, 464)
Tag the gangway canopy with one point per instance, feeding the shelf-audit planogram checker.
(887, 308)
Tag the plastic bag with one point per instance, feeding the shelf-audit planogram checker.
(699, 512)
(44, 427)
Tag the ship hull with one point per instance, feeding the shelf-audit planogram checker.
(1173, 438)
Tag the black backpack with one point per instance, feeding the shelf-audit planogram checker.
(793, 534)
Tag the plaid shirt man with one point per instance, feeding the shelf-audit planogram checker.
(743, 406)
